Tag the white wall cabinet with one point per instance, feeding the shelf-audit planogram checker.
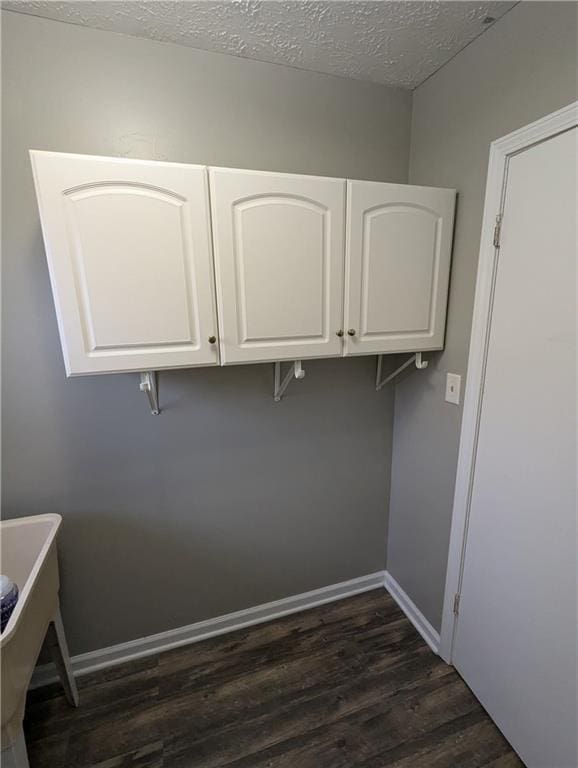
(399, 241)
(279, 256)
(295, 267)
(128, 244)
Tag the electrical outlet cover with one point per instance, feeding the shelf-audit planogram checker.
(453, 386)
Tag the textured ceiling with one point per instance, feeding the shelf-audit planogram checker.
(394, 43)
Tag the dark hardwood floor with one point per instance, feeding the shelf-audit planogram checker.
(347, 684)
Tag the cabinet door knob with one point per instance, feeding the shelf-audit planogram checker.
(339, 333)
(351, 332)
(212, 339)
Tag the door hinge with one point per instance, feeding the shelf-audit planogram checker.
(457, 603)
(497, 230)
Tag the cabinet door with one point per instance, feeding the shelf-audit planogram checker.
(399, 241)
(128, 245)
(279, 255)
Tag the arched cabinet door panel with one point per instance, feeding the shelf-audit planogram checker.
(279, 257)
(128, 245)
(399, 241)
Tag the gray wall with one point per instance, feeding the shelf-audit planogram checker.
(226, 500)
(519, 70)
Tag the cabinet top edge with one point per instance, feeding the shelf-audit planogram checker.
(257, 172)
(365, 182)
(108, 158)
(212, 169)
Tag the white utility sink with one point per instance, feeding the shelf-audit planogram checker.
(28, 549)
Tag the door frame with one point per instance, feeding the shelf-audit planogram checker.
(501, 150)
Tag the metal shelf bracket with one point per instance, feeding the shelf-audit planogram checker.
(295, 370)
(420, 364)
(148, 385)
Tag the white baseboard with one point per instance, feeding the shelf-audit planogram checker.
(201, 630)
(419, 621)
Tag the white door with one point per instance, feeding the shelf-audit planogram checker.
(515, 641)
(399, 240)
(279, 256)
(128, 244)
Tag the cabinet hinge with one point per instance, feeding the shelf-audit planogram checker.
(497, 230)
(456, 603)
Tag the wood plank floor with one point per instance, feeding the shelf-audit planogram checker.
(348, 684)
